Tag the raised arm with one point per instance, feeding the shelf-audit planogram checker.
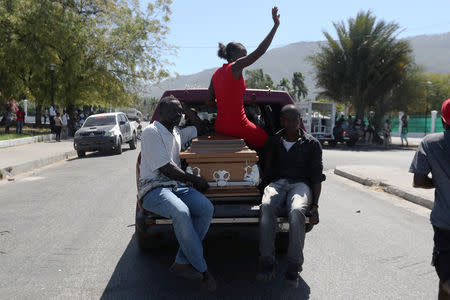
(246, 61)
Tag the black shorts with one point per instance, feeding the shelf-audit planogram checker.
(441, 253)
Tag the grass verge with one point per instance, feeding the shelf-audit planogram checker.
(10, 136)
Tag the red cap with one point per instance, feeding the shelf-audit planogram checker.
(446, 111)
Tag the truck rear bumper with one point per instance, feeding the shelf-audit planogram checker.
(282, 223)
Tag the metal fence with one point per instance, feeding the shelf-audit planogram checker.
(418, 123)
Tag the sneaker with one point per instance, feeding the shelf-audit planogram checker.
(291, 276)
(266, 269)
(185, 271)
(209, 281)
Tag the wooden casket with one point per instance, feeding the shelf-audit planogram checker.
(226, 163)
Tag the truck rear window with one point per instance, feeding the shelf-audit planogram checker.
(263, 115)
(100, 121)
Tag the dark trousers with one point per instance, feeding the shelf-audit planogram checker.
(52, 124)
(58, 132)
(441, 253)
(7, 125)
(19, 127)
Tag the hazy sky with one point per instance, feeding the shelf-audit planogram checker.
(198, 25)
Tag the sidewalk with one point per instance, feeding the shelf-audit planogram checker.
(397, 181)
(20, 159)
(412, 142)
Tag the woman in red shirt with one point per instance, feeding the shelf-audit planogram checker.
(228, 86)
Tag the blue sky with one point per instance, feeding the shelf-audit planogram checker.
(197, 26)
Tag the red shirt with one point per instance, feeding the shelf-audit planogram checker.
(20, 115)
(231, 118)
(230, 99)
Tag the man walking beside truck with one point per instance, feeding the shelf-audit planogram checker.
(433, 156)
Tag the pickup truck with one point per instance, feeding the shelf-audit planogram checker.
(106, 131)
(230, 213)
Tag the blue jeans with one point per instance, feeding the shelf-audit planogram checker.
(191, 213)
(278, 196)
(19, 127)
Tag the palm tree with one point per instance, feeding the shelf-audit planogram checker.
(298, 84)
(364, 64)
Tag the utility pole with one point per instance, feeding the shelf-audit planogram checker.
(52, 72)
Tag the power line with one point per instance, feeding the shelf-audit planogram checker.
(404, 30)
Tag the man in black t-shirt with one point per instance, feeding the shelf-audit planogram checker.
(295, 184)
(433, 156)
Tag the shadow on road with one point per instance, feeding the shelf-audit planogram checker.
(100, 154)
(233, 261)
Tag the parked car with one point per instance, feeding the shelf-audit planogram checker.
(133, 114)
(234, 210)
(106, 131)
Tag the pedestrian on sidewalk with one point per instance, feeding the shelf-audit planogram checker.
(387, 133)
(404, 132)
(369, 132)
(65, 121)
(20, 118)
(58, 127)
(295, 186)
(44, 117)
(52, 115)
(433, 155)
(8, 120)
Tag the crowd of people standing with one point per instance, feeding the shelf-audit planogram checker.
(56, 117)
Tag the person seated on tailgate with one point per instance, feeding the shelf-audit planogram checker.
(227, 88)
(295, 184)
(165, 189)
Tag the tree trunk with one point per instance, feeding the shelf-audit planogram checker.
(71, 121)
(360, 112)
(38, 116)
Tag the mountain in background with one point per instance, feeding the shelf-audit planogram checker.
(431, 52)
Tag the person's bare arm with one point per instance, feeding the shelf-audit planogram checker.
(172, 171)
(211, 97)
(422, 181)
(316, 189)
(246, 61)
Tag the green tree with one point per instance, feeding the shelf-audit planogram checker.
(256, 79)
(364, 65)
(299, 87)
(100, 48)
(285, 85)
(407, 96)
(437, 90)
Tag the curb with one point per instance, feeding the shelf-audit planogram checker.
(27, 140)
(28, 166)
(387, 188)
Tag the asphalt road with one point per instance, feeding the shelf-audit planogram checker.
(361, 155)
(66, 232)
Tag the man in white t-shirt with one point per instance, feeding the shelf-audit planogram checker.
(165, 189)
(64, 120)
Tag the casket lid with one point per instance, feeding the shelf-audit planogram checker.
(218, 145)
